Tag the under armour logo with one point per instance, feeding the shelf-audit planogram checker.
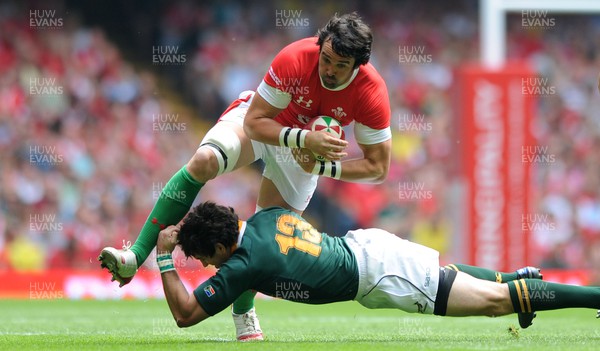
(306, 104)
(338, 112)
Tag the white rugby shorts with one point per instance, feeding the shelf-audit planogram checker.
(294, 184)
(393, 272)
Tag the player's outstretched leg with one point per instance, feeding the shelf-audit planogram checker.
(247, 326)
(223, 149)
(494, 276)
(465, 295)
(172, 205)
(529, 295)
(525, 318)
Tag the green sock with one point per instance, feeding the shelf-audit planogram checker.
(484, 273)
(172, 205)
(244, 302)
(529, 295)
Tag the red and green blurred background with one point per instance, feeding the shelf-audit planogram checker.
(101, 101)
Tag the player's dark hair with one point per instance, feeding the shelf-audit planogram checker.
(205, 226)
(350, 37)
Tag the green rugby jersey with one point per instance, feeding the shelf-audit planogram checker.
(283, 256)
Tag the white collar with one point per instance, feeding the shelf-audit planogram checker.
(241, 235)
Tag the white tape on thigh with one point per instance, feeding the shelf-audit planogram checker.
(225, 144)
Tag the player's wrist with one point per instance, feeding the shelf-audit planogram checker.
(164, 260)
(330, 169)
(292, 137)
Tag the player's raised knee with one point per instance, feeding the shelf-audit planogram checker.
(204, 165)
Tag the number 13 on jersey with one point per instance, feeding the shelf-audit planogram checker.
(293, 232)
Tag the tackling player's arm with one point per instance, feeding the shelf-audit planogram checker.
(185, 308)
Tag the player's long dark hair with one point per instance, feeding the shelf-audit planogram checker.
(205, 226)
(350, 37)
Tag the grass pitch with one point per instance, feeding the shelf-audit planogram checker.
(147, 325)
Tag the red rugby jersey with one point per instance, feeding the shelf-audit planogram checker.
(293, 84)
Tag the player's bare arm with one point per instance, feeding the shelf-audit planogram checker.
(372, 168)
(185, 308)
(259, 125)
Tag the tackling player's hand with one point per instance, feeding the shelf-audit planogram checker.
(167, 239)
(326, 145)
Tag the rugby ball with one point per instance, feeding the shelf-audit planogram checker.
(326, 124)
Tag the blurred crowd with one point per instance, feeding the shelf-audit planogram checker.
(80, 166)
(567, 126)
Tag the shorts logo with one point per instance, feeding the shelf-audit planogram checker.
(420, 308)
(209, 291)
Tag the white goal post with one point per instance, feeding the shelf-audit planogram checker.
(492, 22)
